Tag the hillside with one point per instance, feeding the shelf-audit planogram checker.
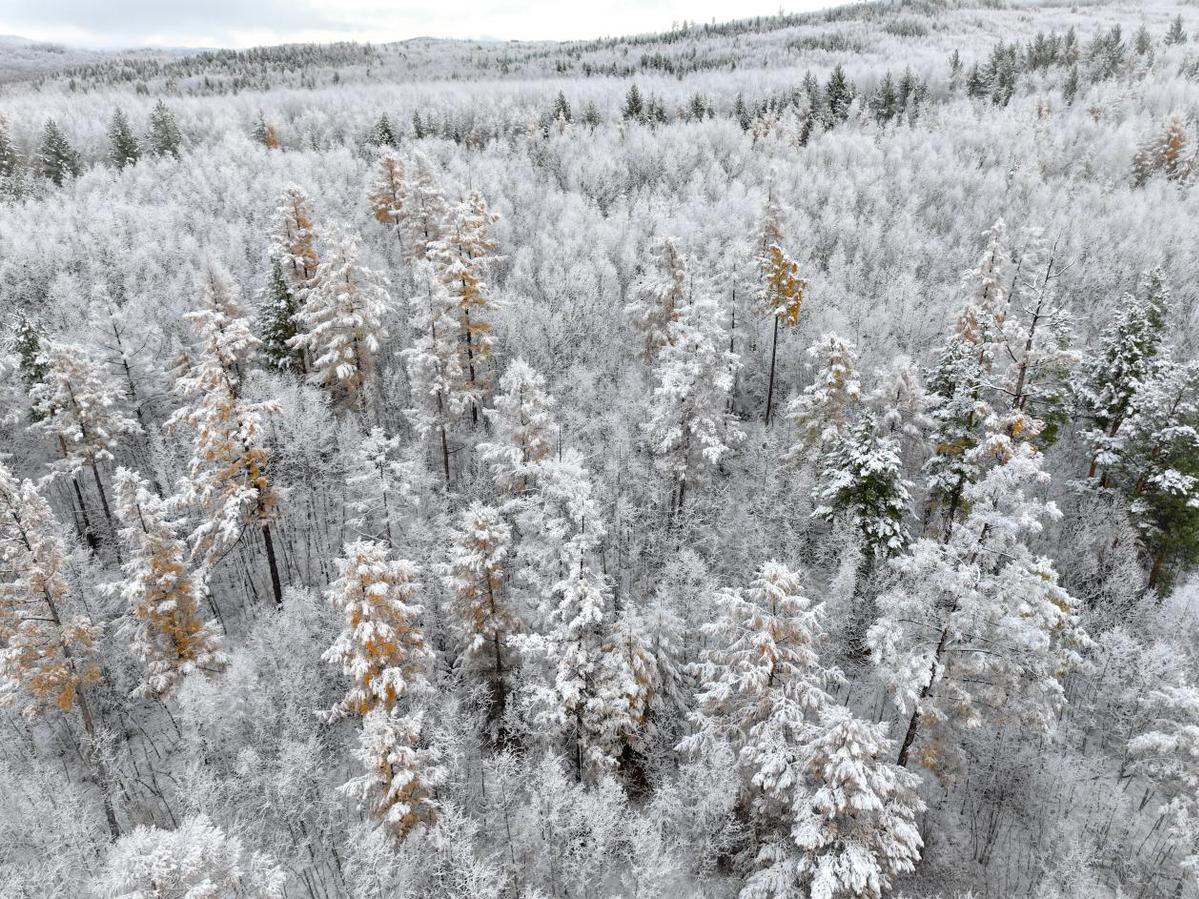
(759, 459)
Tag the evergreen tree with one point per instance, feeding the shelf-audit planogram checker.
(10, 159)
(171, 639)
(27, 338)
(293, 240)
(278, 324)
(634, 106)
(377, 487)
(164, 138)
(123, 147)
(1176, 35)
(381, 133)
(562, 109)
(56, 159)
(386, 191)
(838, 95)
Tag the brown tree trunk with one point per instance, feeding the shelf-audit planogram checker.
(116, 543)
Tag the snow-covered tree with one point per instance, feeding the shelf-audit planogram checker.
(433, 363)
(523, 427)
(228, 473)
(278, 323)
(80, 406)
(343, 320)
(57, 160)
(781, 292)
(123, 147)
(164, 138)
(659, 296)
(483, 611)
(823, 410)
(385, 193)
(857, 829)
(293, 238)
(1128, 355)
(977, 626)
(403, 771)
(171, 638)
(423, 213)
(378, 485)
(196, 859)
(690, 430)
(381, 648)
(462, 256)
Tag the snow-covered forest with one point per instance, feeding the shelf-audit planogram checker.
(759, 459)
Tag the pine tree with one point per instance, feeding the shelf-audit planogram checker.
(265, 133)
(857, 832)
(433, 363)
(862, 479)
(523, 426)
(381, 648)
(976, 624)
(822, 412)
(56, 159)
(171, 639)
(475, 576)
(690, 430)
(838, 94)
(1128, 356)
(124, 149)
(10, 159)
(1165, 153)
(659, 297)
(228, 477)
(46, 658)
(381, 133)
(78, 404)
(1176, 35)
(634, 106)
(1159, 468)
(462, 256)
(164, 138)
(27, 340)
(343, 321)
(278, 323)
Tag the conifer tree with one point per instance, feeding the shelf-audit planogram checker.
(56, 159)
(381, 133)
(1128, 356)
(10, 159)
(380, 648)
(278, 323)
(822, 412)
(79, 405)
(386, 192)
(424, 210)
(343, 321)
(659, 297)
(123, 147)
(462, 256)
(293, 239)
(47, 651)
(523, 426)
(27, 340)
(781, 292)
(433, 363)
(171, 639)
(475, 576)
(164, 138)
(857, 831)
(228, 472)
(690, 429)
(265, 133)
(1176, 35)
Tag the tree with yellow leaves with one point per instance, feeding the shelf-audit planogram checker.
(462, 256)
(293, 238)
(386, 192)
(46, 657)
(659, 297)
(381, 647)
(171, 638)
(228, 470)
(475, 576)
(782, 292)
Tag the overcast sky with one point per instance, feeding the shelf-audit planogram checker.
(245, 23)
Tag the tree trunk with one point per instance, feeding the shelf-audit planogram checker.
(116, 543)
(774, 344)
(101, 771)
(445, 456)
(276, 585)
